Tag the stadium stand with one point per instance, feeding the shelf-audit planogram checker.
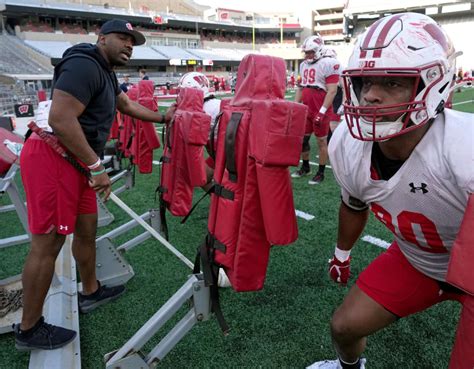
(52, 49)
(173, 52)
(17, 58)
(145, 52)
(456, 27)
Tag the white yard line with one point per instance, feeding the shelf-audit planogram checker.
(304, 215)
(376, 241)
(316, 164)
(463, 102)
(156, 162)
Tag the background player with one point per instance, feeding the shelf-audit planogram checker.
(318, 86)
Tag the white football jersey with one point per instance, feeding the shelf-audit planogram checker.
(424, 202)
(212, 107)
(315, 74)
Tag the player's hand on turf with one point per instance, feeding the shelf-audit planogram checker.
(340, 271)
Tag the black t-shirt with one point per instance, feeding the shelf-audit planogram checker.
(95, 87)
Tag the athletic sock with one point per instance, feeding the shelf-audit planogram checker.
(355, 365)
(321, 168)
(305, 164)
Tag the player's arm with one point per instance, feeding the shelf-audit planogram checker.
(298, 94)
(352, 221)
(351, 224)
(135, 110)
(331, 91)
(63, 119)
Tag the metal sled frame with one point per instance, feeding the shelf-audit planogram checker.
(194, 290)
(61, 306)
(8, 186)
(128, 177)
(130, 355)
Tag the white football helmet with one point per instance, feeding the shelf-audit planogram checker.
(327, 52)
(313, 43)
(195, 80)
(402, 45)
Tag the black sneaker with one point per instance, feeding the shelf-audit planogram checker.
(317, 179)
(104, 294)
(300, 172)
(43, 336)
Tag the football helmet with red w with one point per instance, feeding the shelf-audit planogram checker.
(401, 45)
(313, 43)
(195, 80)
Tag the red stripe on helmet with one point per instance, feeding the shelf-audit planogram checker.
(363, 52)
(438, 35)
(383, 35)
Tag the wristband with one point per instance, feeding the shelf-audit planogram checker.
(342, 255)
(95, 165)
(93, 174)
(323, 110)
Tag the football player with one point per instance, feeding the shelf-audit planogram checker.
(410, 161)
(212, 107)
(319, 77)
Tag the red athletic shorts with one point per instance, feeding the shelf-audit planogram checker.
(313, 99)
(56, 193)
(394, 283)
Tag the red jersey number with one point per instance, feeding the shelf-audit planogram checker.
(407, 220)
(309, 76)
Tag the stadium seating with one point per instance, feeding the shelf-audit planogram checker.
(15, 58)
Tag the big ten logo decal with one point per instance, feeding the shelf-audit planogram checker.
(367, 64)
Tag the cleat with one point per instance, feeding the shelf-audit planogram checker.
(300, 172)
(223, 281)
(332, 364)
(317, 179)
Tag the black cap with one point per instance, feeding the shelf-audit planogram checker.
(121, 26)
